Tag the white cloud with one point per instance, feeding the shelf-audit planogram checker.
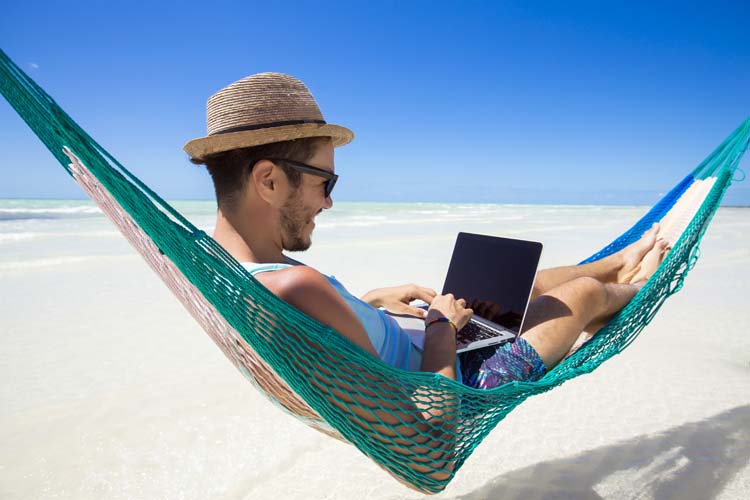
(34, 65)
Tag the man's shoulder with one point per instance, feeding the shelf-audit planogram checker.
(292, 280)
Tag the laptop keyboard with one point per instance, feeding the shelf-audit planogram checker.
(474, 331)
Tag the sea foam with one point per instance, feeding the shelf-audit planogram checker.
(9, 214)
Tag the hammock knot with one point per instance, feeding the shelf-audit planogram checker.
(695, 254)
(679, 280)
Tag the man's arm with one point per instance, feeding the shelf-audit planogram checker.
(310, 292)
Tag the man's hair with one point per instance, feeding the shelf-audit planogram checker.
(230, 170)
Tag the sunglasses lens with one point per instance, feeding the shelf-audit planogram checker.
(302, 167)
(331, 184)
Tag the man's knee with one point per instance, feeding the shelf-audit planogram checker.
(590, 290)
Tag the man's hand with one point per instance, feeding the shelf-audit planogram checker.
(453, 309)
(396, 299)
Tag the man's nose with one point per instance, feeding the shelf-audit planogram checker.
(329, 202)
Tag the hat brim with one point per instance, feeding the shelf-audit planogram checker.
(202, 147)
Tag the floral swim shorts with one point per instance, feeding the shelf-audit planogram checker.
(496, 365)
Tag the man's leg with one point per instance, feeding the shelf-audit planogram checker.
(619, 267)
(556, 319)
(648, 266)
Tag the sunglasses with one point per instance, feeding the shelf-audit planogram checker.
(307, 169)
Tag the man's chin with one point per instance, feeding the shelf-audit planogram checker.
(298, 246)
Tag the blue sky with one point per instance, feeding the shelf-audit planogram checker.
(559, 102)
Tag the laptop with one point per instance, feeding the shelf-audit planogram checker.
(495, 276)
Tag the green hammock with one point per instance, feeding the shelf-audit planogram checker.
(420, 427)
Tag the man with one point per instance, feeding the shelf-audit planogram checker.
(271, 157)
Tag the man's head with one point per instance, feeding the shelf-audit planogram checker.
(270, 155)
(274, 181)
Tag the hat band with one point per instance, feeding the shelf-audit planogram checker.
(267, 125)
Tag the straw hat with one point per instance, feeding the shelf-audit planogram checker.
(260, 109)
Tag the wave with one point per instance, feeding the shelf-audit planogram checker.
(20, 265)
(27, 236)
(417, 221)
(74, 212)
(14, 237)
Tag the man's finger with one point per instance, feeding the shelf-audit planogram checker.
(426, 294)
(416, 311)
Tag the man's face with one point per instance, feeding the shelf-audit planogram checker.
(305, 203)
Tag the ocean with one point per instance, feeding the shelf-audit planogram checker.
(42, 233)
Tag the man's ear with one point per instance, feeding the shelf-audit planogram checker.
(265, 178)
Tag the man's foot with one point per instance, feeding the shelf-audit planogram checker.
(632, 255)
(651, 262)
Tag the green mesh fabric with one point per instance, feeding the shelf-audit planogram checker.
(420, 427)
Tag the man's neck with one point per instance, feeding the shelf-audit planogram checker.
(246, 242)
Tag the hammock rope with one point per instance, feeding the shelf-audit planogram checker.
(420, 427)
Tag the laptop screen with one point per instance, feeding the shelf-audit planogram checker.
(495, 276)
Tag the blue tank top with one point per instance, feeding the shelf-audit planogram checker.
(392, 344)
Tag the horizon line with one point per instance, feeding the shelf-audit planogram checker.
(86, 199)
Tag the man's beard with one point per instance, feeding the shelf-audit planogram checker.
(293, 222)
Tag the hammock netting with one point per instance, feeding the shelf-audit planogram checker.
(420, 427)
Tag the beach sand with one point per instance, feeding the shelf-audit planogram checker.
(108, 389)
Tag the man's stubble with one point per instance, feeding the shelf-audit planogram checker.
(293, 222)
